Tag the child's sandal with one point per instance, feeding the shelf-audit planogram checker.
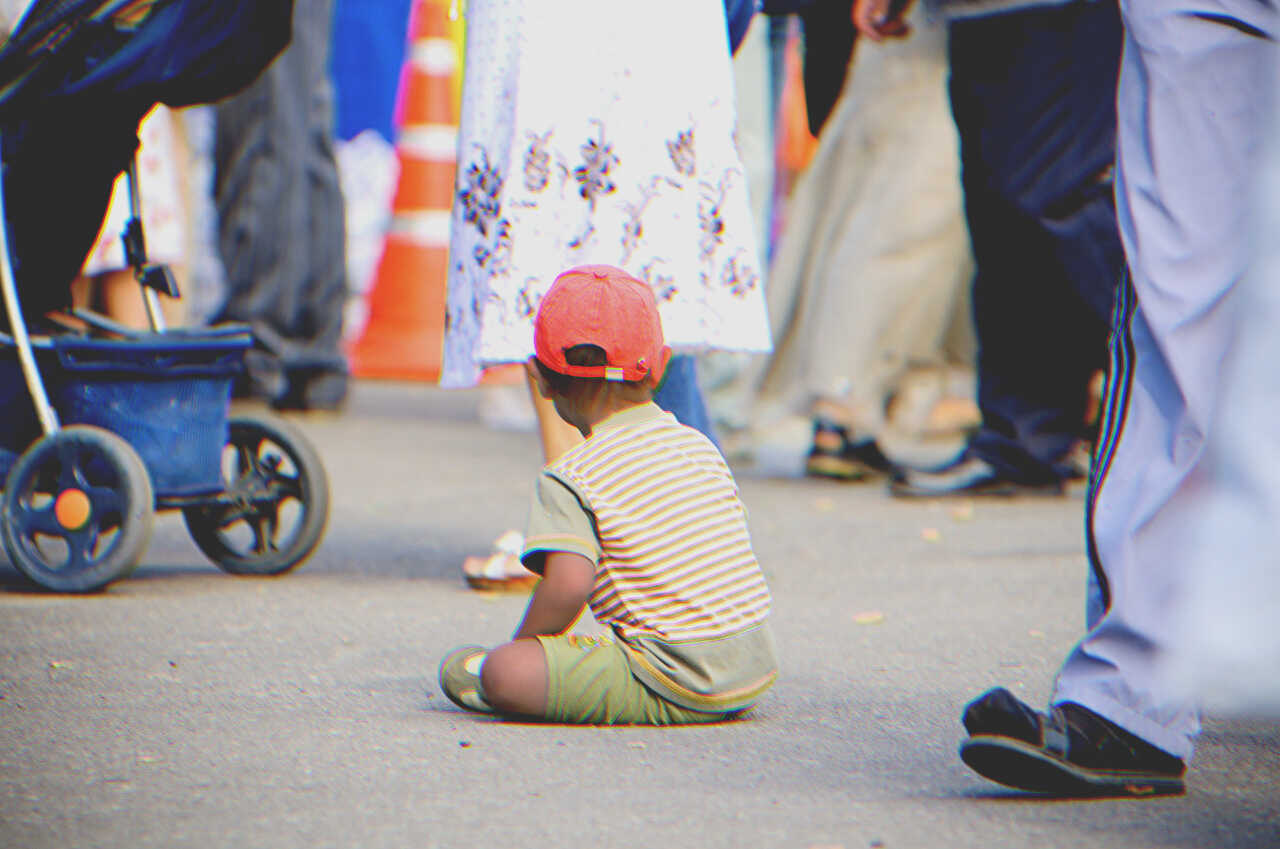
(460, 678)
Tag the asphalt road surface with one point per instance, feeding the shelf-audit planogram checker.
(185, 707)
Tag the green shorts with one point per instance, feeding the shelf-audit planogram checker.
(589, 682)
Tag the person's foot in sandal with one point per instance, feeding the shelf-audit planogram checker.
(1071, 752)
(460, 678)
(501, 570)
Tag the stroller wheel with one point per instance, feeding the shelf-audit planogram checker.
(277, 500)
(78, 509)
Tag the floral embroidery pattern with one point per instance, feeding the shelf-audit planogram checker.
(681, 152)
(633, 227)
(537, 163)
(710, 219)
(663, 285)
(520, 308)
(478, 197)
(526, 301)
(739, 275)
(495, 257)
(582, 239)
(593, 174)
(632, 230)
(559, 168)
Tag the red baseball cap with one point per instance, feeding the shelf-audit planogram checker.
(603, 306)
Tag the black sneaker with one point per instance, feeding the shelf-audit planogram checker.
(1071, 752)
(833, 455)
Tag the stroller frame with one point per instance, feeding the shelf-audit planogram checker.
(77, 505)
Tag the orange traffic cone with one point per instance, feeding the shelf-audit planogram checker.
(403, 338)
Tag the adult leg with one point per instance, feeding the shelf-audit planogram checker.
(1229, 613)
(1192, 105)
(557, 435)
(829, 38)
(1031, 98)
(681, 395)
(1192, 95)
(281, 231)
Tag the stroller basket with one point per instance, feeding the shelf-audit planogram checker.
(167, 395)
(77, 503)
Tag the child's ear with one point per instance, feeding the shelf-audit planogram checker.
(536, 378)
(655, 375)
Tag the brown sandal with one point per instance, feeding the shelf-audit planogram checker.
(500, 571)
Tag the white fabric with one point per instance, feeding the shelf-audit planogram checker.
(873, 268)
(11, 11)
(598, 136)
(1228, 648)
(164, 213)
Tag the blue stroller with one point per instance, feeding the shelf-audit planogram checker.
(123, 423)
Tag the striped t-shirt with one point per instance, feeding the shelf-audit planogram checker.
(653, 504)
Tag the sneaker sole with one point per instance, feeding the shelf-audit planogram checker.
(1022, 766)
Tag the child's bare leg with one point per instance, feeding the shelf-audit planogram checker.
(514, 678)
(122, 299)
(82, 292)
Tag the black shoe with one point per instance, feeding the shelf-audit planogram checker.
(833, 455)
(313, 389)
(1074, 465)
(970, 475)
(1071, 752)
(262, 380)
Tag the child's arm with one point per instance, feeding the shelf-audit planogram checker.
(566, 584)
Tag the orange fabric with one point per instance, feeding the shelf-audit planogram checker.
(796, 145)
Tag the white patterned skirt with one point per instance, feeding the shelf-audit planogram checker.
(598, 132)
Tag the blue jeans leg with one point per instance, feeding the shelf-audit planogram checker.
(680, 395)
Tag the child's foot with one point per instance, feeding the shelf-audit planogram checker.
(460, 678)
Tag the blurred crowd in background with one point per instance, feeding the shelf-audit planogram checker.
(853, 167)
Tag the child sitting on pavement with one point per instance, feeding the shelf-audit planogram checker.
(642, 522)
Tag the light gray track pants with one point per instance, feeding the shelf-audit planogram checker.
(1195, 87)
